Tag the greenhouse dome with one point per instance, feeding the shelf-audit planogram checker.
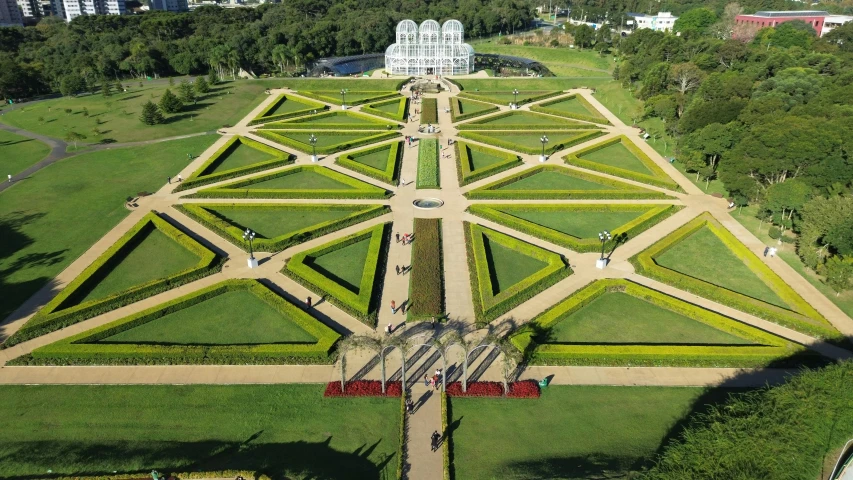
(429, 49)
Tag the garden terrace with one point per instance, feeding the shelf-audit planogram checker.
(288, 106)
(427, 284)
(620, 157)
(328, 141)
(381, 162)
(528, 141)
(571, 106)
(239, 156)
(476, 162)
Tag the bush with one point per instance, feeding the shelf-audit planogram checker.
(427, 277)
(521, 389)
(583, 136)
(374, 136)
(457, 115)
(429, 111)
(402, 109)
(365, 388)
(658, 178)
(774, 232)
(428, 164)
(543, 108)
(465, 165)
(263, 117)
(392, 171)
(448, 439)
(170, 103)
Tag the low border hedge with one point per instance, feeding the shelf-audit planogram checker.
(56, 314)
(464, 163)
(543, 108)
(502, 215)
(583, 136)
(371, 136)
(264, 118)
(803, 318)
(524, 97)
(659, 178)
(490, 191)
(334, 98)
(769, 348)
(199, 177)
(390, 175)
(426, 289)
(307, 122)
(559, 123)
(448, 437)
(488, 307)
(236, 190)
(402, 451)
(457, 115)
(234, 234)
(402, 109)
(82, 349)
(362, 305)
(429, 111)
(429, 175)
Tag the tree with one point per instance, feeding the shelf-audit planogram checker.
(201, 85)
(151, 114)
(186, 91)
(685, 77)
(74, 137)
(106, 89)
(839, 273)
(710, 143)
(787, 198)
(583, 35)
(695, 22)
(794, 33)
(213, 77)
(71, 85)
(170, 103)
(655, 80)
(725, 28)
(819, 219)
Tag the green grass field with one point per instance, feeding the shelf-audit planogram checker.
(704, 256)
(507, 266)
(618, 156)
(233, 318)
(51, 218)
(507, 84)
(471, 106)
(562, 61)
(301, 180)
(118, 115)
(550, 180)
(18, 153)
(136, 267)
(617, 317)
(570, 432)
(389, 108)
(284, 430)
(572, 105)
(339, 118)
(531, 139)
(579, 224)
(269, 222)
(480, 159)
(238, 156)
(344, 265)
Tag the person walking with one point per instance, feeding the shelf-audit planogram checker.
(434, 439)
(393, 307)
(410, 406)
(308, 302)
(398, 237)
(398, 268)
(10, 178)
(426, 380)
(766, 249)
(169, 179)
(180, 178)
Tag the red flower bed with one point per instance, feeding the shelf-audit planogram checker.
(364, 388)
(523, 389)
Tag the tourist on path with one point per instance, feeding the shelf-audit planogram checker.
(393, 307)
(434, 439)
(308, 302)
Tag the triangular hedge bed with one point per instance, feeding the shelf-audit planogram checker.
(333, 120)
(524, 120)
(753, 347)
(491, 299)
(506, 97)
(360, 161)
(339, 139)
(647, 172)
(70, 307)
(208, 173)
(352, 98)
(392, 109)
(562, 108)
(361, 300)
(301, 106)
(214, 216)
(96, 347)
(467, 155)
(527, 141)
(464, 109)
(800, 315)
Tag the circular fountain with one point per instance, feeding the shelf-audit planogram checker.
(428, 203)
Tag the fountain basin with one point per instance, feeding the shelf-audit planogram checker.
(428, 203)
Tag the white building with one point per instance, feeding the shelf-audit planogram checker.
(169, 5)
(10, 16)
(70, 9)
(834, 21)
(30, 8)
(662, 22)
(429, 50)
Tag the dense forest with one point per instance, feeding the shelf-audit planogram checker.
(268, 39)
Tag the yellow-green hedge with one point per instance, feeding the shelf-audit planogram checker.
(426, 290)
(429, 111)
(390, 175)
(658, 178)
(523, 98)
(402, 109)
(457, 115)
(543, 108)
(464, 163)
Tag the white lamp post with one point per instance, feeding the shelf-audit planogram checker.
(544, 140)
(603, 237)
(250, 236)
(515, 101)
(343, 99)
(313, 141)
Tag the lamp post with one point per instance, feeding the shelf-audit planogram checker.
(343, 99)
(515, 101)
(250, 236)
(313, 141)
(603, 237)
(544, 140)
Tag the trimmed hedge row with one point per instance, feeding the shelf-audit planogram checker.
(61, 311)
(264, 118)
(427, 276)
(429, 111)
(307, 123)
(487, 307)
(543, 108)
(457, 115)
(336, 99)
(559, 124)
(83, 349)
(428, 164)
(235, 189)
(375, 136)
(768, 347)
(499, 214)
(464, 172)
(199, 177)
(802, 318)
(583, 136)
(448, 439)
(390, 175)
(526, 97)
(490, 191)
(402, 109)
(234, 233)
(362, 305)
(659, 178)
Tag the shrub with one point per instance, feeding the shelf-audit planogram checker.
(582, 136)
(521, 389)
(427, 277)
(457, 115)
(465, 165)
(263, 117)
(429, 111)
(392, 170)
(658, 178)
(372, 137)
(774, 232)
(428, 164)
(448, 440)
(402, 109)
(543, 108)
(365, 388)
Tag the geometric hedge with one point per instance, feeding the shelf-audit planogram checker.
(571, 106)
(476, 162)
(641, 167)
(381, 162)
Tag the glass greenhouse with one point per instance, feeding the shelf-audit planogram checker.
(429, 49)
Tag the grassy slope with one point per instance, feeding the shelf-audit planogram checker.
(18, 153)
(75, 429)
(561, 61)
(48, 220)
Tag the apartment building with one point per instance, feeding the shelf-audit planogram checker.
(10, 16)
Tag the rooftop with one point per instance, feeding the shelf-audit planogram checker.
(781, 13)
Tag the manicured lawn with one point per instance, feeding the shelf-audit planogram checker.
(507, 266)
(290, 104)
(579, 224)
(428, 164)
(118, 114)
(389, 107)
(18, 153)
(284, 430)
(617, 317)
(505, 98)
(233, 318)
(271, 222)
(480, 159)
(339, 117)
(301, 180)
(572, 105)
(570, 432)
(524, 118)
(377, 159)
(344, 265)
(478, 85)
(51, 218)
(550, 180)
(704, 256)
(531, 139)
(471, 106)
(324, 139)
(334, 86)
(618, 156)
(137, 266)
(238, 156)
(585, 62)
